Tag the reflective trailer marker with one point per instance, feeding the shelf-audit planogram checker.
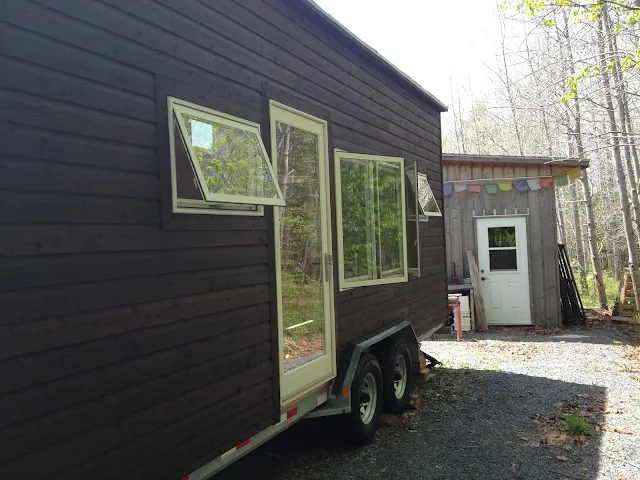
(292, 413)
(235, 449)
(240, 445)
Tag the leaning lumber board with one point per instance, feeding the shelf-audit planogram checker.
(481, 317)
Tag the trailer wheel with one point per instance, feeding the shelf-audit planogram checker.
(396, 374)
(366, 400)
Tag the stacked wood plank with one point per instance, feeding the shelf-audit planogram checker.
(626, 303)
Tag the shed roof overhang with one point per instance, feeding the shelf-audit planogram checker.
(513, 160)
(403, 77)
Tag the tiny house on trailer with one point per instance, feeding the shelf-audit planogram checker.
(217, 217)
(503, 209)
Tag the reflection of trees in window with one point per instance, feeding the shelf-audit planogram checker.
(357, 221)
(389, 228)
(425, 196)
(502, 237)
(231, 159)
(372, 219)
(298, 176)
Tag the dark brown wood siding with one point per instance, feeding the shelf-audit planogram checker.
(135, 343)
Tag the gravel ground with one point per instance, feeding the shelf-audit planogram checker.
(495, 410)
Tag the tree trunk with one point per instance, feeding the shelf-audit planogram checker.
(509, 88)
(284, 175)
(577, 228)
(562, 234)
(623, 103)
(586, 190)
(622, 186)
(632, 169)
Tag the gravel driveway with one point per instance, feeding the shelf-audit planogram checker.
(497, 409)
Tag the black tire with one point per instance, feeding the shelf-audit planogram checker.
(362, 426)
(396, 376)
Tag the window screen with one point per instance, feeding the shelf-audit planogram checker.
(426, 198)
(218, 161)
(371, 219)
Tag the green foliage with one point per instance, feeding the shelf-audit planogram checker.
(576, 425)
(585, 13)
(230, 158)
(502, 237)
(588, 296)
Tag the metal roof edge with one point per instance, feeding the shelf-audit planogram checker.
(376, 54)
(515, 159)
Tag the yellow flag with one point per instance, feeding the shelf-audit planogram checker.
(505, 186)
(574, 174)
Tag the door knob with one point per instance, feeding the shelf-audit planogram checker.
(483, 279)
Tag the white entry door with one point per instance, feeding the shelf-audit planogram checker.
(504, 270)
(304, 270)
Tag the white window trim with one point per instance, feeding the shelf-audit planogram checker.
(215, 204)
(417, 271)
(346, 285)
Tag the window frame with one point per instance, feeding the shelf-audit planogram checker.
(491, 249)
(213, 204)
(339, 155)
(417, 218)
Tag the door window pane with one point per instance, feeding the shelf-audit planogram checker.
(301, 245)
(503, 259)
(502, 237)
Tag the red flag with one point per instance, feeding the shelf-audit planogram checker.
(546, 182)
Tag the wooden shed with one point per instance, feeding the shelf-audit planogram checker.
(155, 313)
(503, 209)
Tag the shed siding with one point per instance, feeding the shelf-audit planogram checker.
(460, 209)
(133, 350)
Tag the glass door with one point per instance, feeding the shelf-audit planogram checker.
(303, 251)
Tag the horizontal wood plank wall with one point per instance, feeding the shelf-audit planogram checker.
(123, 344)
(460, 208)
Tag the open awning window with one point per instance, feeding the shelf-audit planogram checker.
(427, 205)
(219, 161)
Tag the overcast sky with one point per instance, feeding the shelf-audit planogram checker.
(429, 40)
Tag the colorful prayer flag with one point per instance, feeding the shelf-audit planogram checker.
(447, 189)
(491, 188)
(459, 187)
(474, 187)
(574, 174)
(546, 182)
(534, 183)
(521, 185)
(505, 186)
(561, 180)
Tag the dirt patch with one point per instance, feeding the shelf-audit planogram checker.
(601, 320)
(303, 347)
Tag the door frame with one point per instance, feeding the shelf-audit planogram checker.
(525, 216)
(291, 116)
